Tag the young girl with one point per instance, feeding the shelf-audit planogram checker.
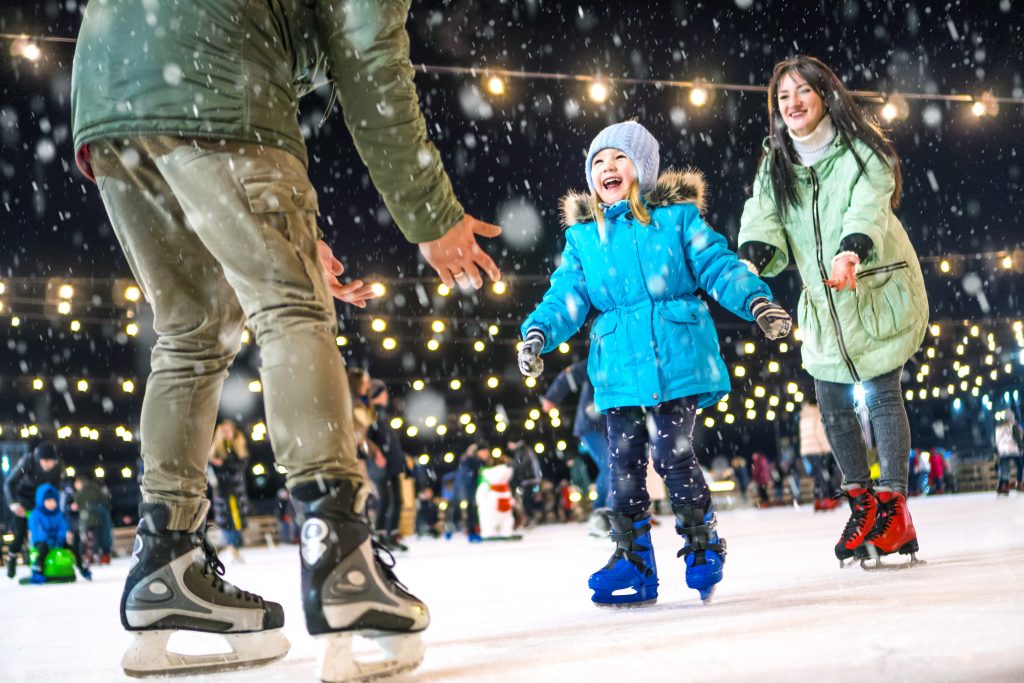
(825, 191)
(637, 250)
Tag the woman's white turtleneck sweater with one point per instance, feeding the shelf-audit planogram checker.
(815, 144)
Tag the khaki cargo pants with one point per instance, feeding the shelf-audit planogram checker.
(218, 235)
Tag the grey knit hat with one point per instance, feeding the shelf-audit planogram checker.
(637, 143)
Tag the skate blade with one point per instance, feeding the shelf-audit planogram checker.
(625, 605)
(402, 652)
(148, 654)
(881, 566)
(710, 596)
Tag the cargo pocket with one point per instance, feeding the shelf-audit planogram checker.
(883, 300)
(286, 211)
(601, 363)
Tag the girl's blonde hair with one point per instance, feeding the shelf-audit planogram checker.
(636, 205)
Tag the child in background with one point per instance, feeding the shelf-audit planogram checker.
(48, 529)
(637, 250)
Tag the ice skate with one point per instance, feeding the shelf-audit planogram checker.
(893, 533)
(863, 512)
(174, 584)
(12, 565)
(704, 552)
(349, 588)
(630, 579)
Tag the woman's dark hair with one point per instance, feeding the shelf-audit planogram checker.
(848, 118)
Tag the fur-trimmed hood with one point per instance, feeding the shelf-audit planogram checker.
(673, 187)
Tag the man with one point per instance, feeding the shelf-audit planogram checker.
(589, 426)
(41, 466)
(387, 475)
(185, 113)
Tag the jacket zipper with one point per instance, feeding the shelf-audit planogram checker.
(643, 277)
(892, 267)
(824, 276)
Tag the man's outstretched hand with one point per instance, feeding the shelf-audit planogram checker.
(356, 292)
(458, 258)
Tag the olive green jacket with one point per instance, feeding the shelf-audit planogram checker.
(235, 69)
(848, 336)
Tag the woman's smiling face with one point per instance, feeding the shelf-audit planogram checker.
(613, 174)
(801, 108)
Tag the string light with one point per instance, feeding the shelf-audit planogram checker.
(598, 92)
(495, 86)
(699, 97)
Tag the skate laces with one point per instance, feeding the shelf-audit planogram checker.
(886, 515)
(213, 568)
(858, 514)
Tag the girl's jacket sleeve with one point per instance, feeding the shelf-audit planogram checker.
(565, 305)
(717, 268)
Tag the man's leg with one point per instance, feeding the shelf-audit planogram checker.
(196, 317)
(254, 209)
(395, 507)
(597, 445)
(20, 534)
(198, 322)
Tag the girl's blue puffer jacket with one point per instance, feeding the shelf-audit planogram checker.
(653, 340)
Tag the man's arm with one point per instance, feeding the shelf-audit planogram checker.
(368, 49)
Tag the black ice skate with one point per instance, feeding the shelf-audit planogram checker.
(349, 588)
(174, 584)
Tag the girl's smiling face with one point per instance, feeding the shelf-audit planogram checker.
(801, 107)
(613, 174)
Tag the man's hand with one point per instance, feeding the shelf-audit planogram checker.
(546, 405)
(356, 292)
(17, 509)
(457, 257)
(771, 318)
(844, 271)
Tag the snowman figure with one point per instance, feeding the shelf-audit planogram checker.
(494, 503)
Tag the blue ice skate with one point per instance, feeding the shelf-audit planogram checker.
(704, 552)
(630, 579)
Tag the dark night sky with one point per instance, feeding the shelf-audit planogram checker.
(962, 176)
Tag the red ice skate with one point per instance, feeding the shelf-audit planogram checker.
(863, 511)
(893, 532)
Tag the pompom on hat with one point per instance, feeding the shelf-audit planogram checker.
(637, 143)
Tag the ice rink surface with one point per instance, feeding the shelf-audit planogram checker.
(520, 612)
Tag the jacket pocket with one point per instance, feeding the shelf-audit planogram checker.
(601, 363)
(807, 319)
(682, 312)
(884, 304)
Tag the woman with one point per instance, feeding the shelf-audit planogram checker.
(229, 454)
(824, 195)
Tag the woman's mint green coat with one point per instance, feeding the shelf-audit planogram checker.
(848, 336)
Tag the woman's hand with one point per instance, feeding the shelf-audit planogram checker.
(844, 271)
